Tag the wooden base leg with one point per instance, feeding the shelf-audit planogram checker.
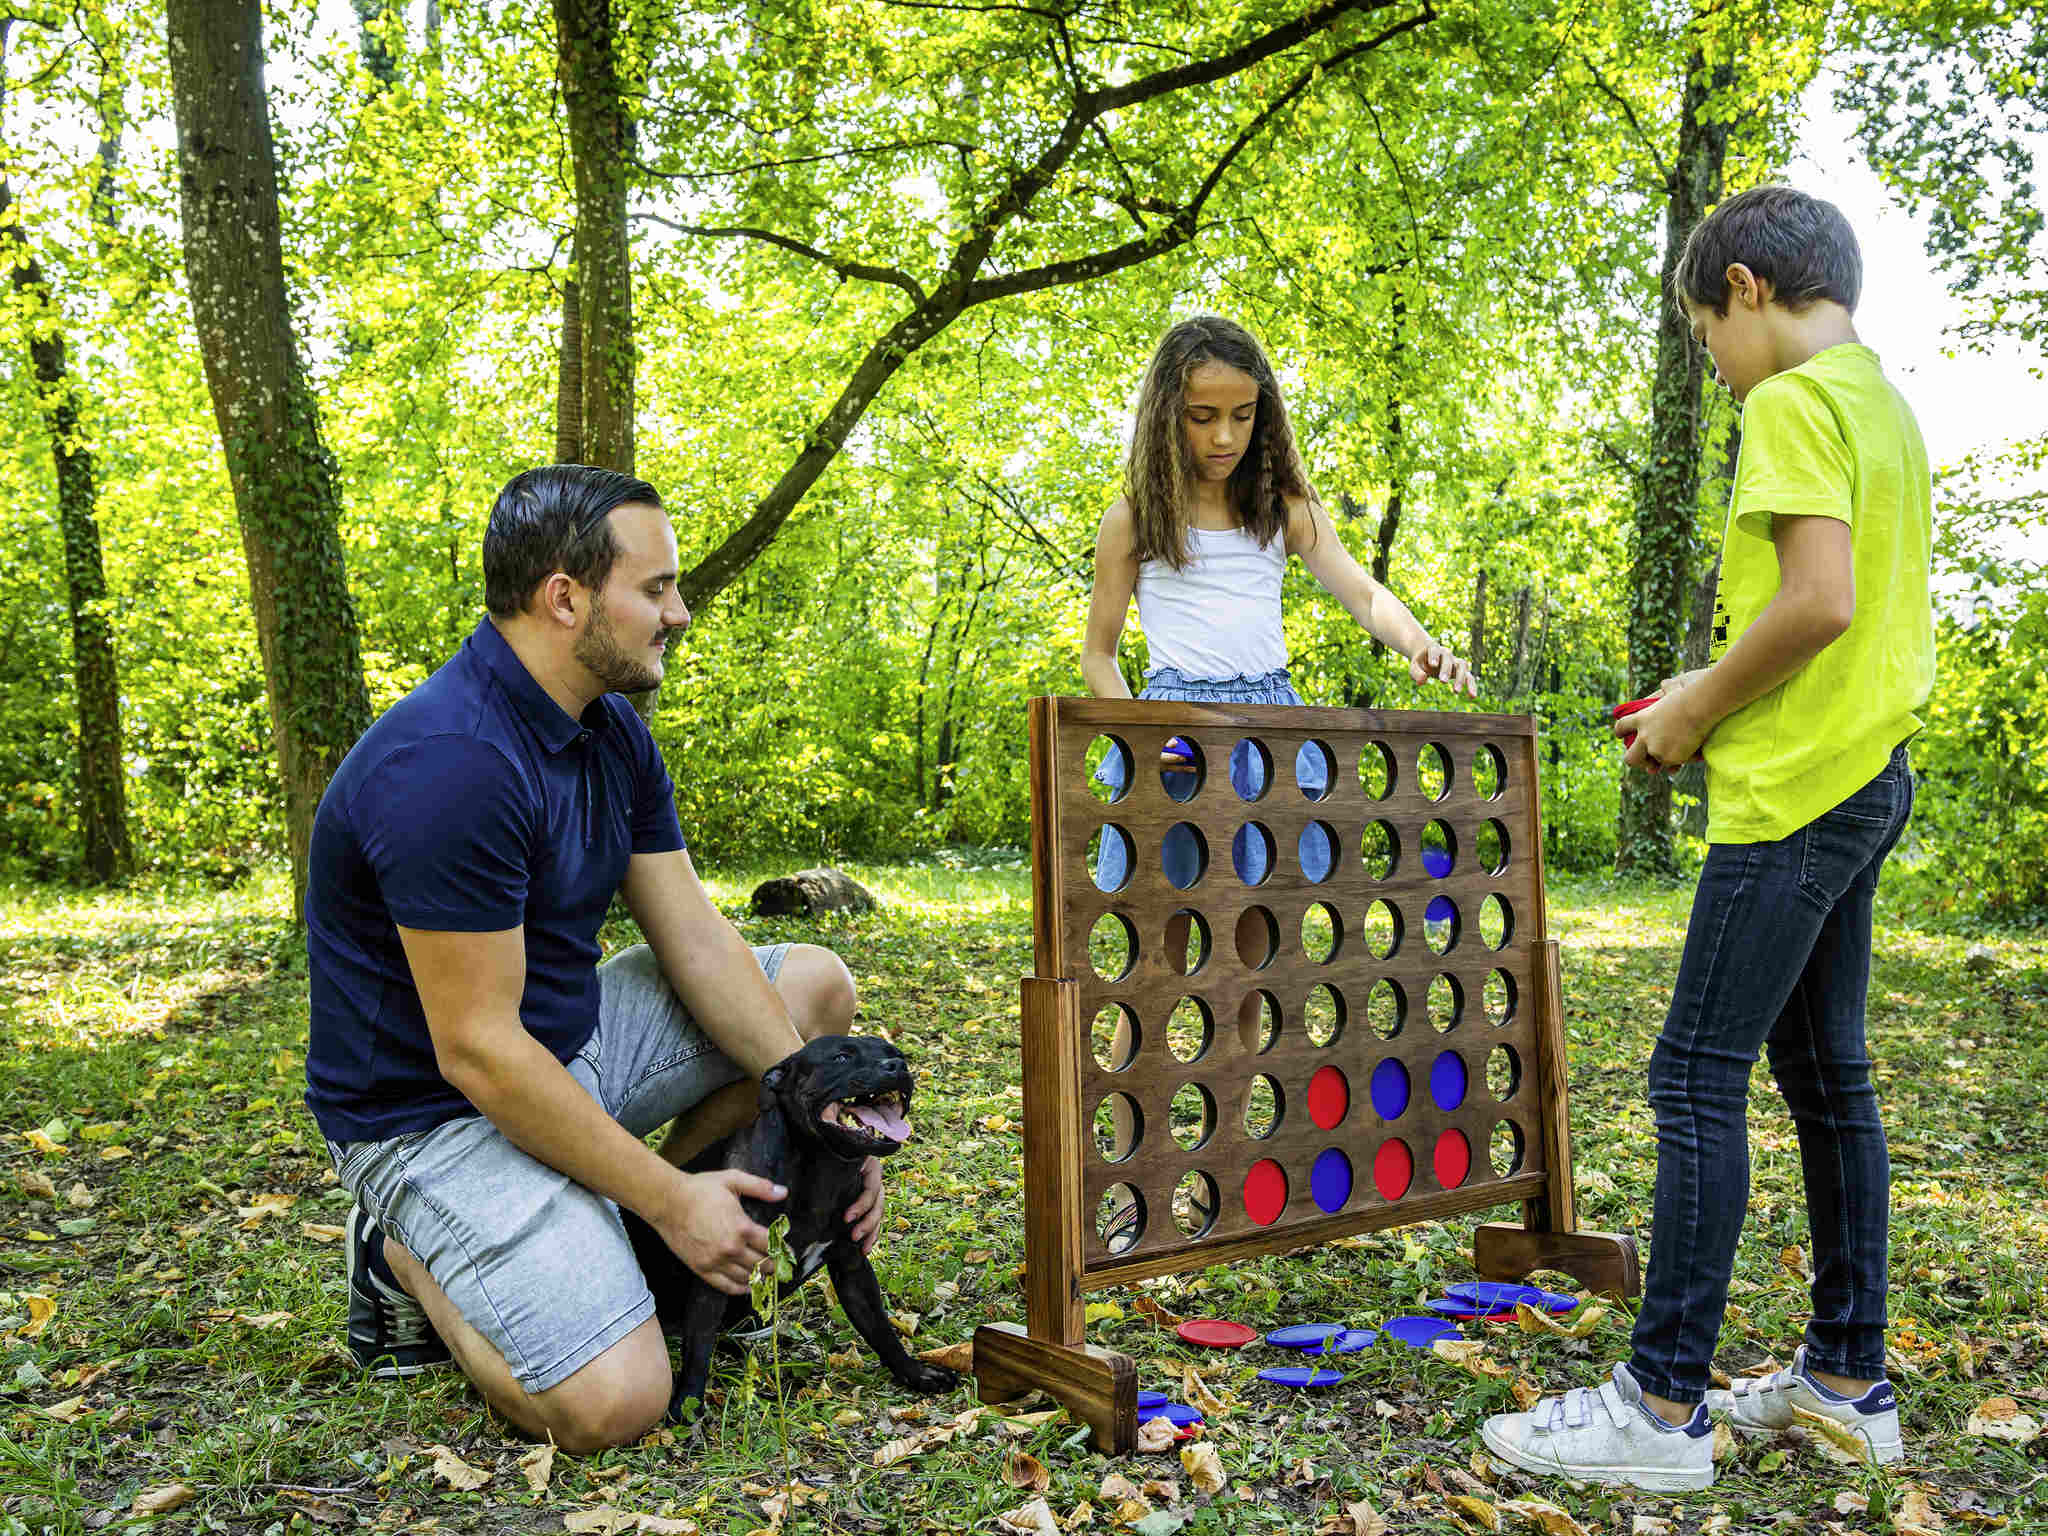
(1097, 1386)
(1605, 1263)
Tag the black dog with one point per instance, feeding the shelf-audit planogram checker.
(824, 1110)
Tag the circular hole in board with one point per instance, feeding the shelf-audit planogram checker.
(1251, 769)
(1441, 935)
(1322, 1015)
(1382, 929)
(1108, 765)
(1489, 772)
(1329, 1097)
(1496, 921)
(1315, 769)
(1194, 1203)
(1182, 783)
(1452, 1159)
(1390, 1089)
(1109, 857)
(1120, 1218)
(1265, 1192)
(1316, 849)
(1322, 933)
(1505, 1148)
(1251, 853)
(1439, 849)
(1386, 1007)
(1184, 855)
(1112, 946)
(1119, 1127)
(1446, 1002)
(1114, 1037)
(1193, 1113)
(1258, 1023)
(1263, 1107)
(1498, 998)
(1258, 938)
(1393, 1169)
(1379, 850)
(1190, 1030)
(1490, 846)
(1433, 771)
(1191, 953)
(1448, 1081)
(1376, 772)
(1503, 1072)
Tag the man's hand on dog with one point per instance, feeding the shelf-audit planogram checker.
(865, 1214)
(709, 1230)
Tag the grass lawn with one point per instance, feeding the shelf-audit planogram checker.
(172, 1297)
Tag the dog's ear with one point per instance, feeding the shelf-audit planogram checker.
(771, 1087)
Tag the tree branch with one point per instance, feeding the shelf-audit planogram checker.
(1628, 111)
(866, 271)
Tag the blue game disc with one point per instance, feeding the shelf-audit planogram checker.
(1296, 1335)
(1300, 1376)
(1180, 1415)
(1349, 1342)
(1153, 1399)
(1502, 1293)
(1421, 1332)
(1458, 1307)
(1436, 862)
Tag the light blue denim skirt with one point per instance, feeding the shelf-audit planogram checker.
(1180, 855)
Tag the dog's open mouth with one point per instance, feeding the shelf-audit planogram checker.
(879, 1118)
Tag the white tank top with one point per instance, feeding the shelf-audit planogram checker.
(1220, 617)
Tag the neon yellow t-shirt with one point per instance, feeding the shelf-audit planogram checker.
(1830, 438)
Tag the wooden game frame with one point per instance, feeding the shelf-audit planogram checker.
(1064, 1175)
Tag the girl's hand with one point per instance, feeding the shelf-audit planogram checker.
(1437, 661)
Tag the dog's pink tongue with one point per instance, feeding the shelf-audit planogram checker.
(883, 1122)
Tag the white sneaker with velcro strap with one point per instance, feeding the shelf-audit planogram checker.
(1606, 1434)
(1765, 1406)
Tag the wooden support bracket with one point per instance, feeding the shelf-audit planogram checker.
(1097, 1386)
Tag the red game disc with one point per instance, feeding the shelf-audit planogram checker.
(1216, 1332)
(1265, 1192)
(1392, 1169)
(1329, 1097)
(1453, 1159)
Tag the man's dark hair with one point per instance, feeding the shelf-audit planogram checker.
(554, 519)
(1800, 245)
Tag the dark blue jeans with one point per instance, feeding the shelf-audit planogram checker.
(1777, 958)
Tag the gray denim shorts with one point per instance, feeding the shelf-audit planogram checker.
(539, 1265)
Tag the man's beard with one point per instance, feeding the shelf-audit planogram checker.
(598, 650)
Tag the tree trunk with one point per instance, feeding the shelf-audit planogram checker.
(1477, 654)
(102, 787)
(378, 61)
(1517, 672)
(599, 146)
(287, 497)
(569, 381)
(1667, 492)
(1390, 519)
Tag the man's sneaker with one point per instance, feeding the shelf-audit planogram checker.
(1606, 1434)
(388, 1332)
(1764, 1406)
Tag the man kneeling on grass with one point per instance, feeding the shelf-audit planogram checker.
(482, 1082)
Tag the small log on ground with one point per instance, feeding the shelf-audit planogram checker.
(809, 892)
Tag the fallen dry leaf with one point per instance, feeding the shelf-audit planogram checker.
(158, 1501)
(1541, 1320)
(1916, 1512)
(454, 1471)
(40, 1310)
(1849, 1502)
(1146, 1307)
(1843, 1440)
(843, 1360)
(954, 1357)
(1197, 1392)
(1026, 1472)
(1650, 1525)
(1033, 1519)
(35, 1183)
(598, 1522)
(1526, 1393)
(663, 1525)
(1999, 1418)
(1355, 1519)
(1116, 1488)
(1131, 1511)
(66, 1412)
(1473, 1511)
(264, 1206)
(320, 1511)
(1204, 1467)
(80, 1197)
(1724, 1443)
(1082, 1517)
(1154, 1436)
(537, 1466)
(1164, 1488)
(1472, 1355)
(321, 1232)
(1545, 1516)
(41, 1141)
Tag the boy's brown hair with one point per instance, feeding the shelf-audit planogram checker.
(1800, 245)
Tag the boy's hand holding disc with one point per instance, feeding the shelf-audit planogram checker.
(1658, 731)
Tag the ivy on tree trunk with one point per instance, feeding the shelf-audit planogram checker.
(287, 497)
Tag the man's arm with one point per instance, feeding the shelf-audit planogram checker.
(709, 965)
(1815, 602)
(470, 985)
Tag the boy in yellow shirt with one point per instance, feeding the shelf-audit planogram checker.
(1824, 651)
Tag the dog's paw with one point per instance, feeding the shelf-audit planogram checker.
(922, 1376)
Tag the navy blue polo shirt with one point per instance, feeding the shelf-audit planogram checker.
(475, 804)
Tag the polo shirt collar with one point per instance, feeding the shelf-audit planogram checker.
(553, 725)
